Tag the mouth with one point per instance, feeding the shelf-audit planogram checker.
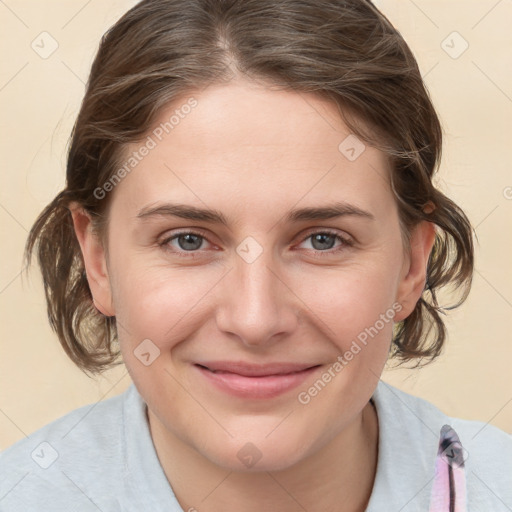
(255, 381)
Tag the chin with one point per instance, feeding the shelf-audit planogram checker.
(257, 455)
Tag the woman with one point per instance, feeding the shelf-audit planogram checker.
(249, 220)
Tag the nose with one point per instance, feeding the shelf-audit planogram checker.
(257, 305)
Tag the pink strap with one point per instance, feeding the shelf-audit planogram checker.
(449, 488)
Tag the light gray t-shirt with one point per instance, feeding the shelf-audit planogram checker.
(101, 457)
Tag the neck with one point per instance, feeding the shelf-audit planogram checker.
(339, 477)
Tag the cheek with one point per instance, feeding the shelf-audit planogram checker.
(356, 312)
(159, 302)
(349, 302)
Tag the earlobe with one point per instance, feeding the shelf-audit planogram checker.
(95, 261)
(414, 274)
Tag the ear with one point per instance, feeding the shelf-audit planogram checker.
(414, 271)
(95, 261)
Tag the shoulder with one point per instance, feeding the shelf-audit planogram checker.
(56, 459)
(473, 434)
(412, 425)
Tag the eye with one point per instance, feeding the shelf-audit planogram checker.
(185, 243)
(323, 242)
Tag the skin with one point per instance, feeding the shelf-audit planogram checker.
(255, 153)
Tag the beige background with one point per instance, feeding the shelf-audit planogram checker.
(40, 97)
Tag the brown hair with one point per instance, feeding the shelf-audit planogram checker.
(346, 51)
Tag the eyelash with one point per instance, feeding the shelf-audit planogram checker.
(345, 243)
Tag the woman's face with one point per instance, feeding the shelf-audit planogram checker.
(306, 269)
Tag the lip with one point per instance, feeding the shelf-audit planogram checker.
(255, 381)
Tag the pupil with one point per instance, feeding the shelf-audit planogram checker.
(321, 238)
(189, 239)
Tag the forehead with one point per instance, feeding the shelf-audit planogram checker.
(255, 148)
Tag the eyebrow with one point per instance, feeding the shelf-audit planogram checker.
(183, 211)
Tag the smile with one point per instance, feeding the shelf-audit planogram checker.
(256, 382)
